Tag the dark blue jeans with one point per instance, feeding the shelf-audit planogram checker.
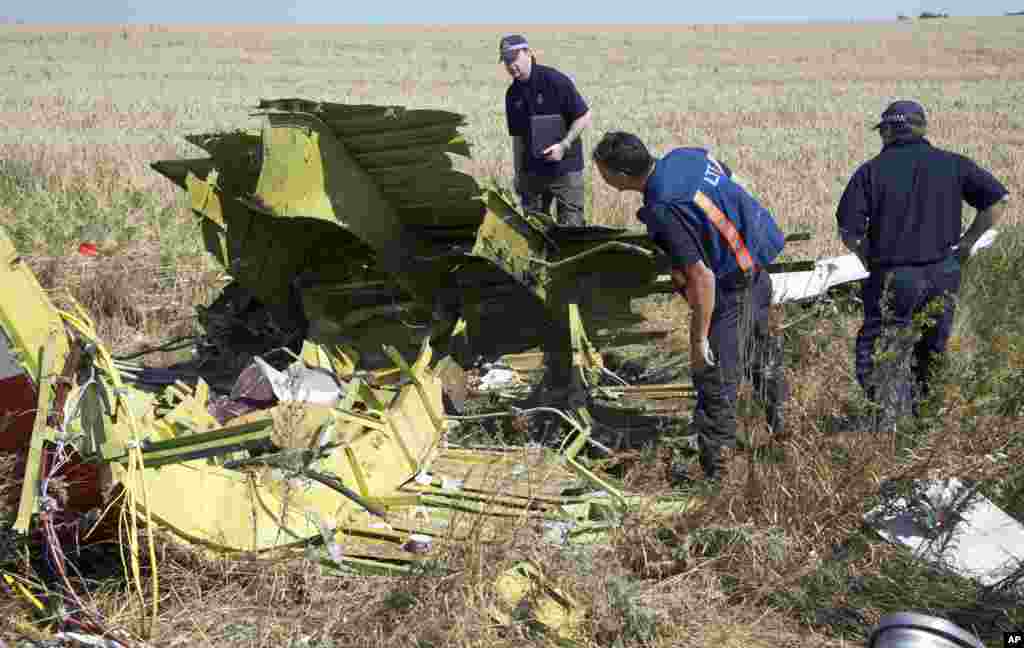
(743, 344)
(892, 297)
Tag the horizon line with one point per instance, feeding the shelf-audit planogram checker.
(500, 26)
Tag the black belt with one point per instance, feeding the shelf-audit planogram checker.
(874, 266)
(739, 279)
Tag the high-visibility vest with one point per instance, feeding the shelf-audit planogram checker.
(737, 232)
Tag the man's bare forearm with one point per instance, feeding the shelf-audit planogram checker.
(984, 221)
(697, 286)
(701, 296)
(576, 129)
(697, 283)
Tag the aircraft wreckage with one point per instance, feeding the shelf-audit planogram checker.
(368, 275)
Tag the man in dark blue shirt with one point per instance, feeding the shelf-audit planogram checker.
(548, 154)
(718, 239)
(901, 214)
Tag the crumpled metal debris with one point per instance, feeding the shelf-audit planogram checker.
(948, 523)
(302, 384)
(497, 378)
(80, 639)
(524, 595)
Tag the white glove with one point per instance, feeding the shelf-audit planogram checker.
(709, 355)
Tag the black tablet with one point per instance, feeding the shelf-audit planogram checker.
(545, 130)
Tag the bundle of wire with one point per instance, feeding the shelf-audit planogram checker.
(54, 462)
(134, 487)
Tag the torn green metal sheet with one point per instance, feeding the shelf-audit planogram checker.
(384, 176)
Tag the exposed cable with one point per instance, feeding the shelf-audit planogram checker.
(135, 478)
(515, 411)
(171, 345)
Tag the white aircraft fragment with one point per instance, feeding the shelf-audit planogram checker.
(303, 384)
(827, 273)
(982, 542)
(497, 378)
(834, 271)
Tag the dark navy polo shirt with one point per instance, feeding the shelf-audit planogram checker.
(546, 92)
(906, 203)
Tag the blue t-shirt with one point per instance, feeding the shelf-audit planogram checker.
(546, 92)
(695, 212)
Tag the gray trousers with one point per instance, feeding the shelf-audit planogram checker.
(538, 192)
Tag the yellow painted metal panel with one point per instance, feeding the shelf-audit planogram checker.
(27, 315)
(263, 507)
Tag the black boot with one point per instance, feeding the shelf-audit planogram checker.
(776, 421)
(775, 392)
(712, 463)
(678, 471)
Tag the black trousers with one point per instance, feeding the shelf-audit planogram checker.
(892, 297)
(744, 347)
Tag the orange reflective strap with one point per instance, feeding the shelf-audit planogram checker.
(726, 229)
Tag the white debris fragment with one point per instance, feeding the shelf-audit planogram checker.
(557, 531)
(327, 533)
(88, 640)
(418, 543)
(834, 271)
(302, 384)
(497, 378)
(827, 273)
(953, 527)
(451, 484)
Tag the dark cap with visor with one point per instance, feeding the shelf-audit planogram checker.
(509, 46)
(903, 114)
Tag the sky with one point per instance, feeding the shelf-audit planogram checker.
(520, 12)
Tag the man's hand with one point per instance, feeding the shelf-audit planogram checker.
(854, 245)
(963, 252)
(555, 152)
(697, 284)
(985, 220)
(701, 355)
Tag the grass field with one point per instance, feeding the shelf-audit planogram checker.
(789, 107)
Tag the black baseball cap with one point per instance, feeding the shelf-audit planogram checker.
(509, 46)
(903, 114)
